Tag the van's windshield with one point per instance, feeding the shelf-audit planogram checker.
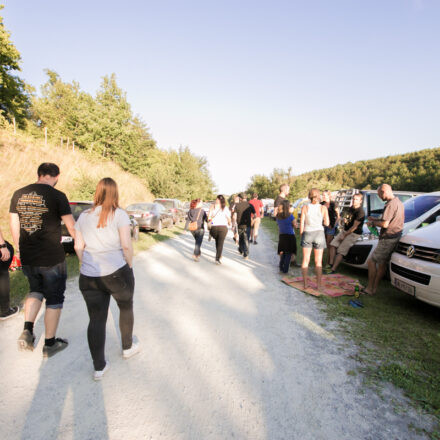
(417, 206)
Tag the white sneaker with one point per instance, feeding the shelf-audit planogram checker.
(97, 375)
(135, 348)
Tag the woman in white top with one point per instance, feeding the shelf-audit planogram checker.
(314, 217)
(103, 246)
(220, 218)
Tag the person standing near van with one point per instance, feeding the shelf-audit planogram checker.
(314, 217)
(220, 220)
(259, 212)
(391, 227)
(333, 215)
(195, 223)
(104, 249)
(284, 192)
(286, 240)
(36, 212)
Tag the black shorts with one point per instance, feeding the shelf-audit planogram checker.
(47, 282)
(287, 244)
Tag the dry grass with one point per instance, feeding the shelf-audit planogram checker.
(20, 156)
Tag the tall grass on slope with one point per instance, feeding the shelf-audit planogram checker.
(20, 156)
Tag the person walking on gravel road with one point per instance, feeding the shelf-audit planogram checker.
(104, 249)
(259, 212)
(220, 220)
(36, 212)
(243, 215)
(6, 254)
(195, 223)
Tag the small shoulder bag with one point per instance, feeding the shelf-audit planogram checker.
(193, 226)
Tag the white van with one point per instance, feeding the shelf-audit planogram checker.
(419, 210)
(415, 266)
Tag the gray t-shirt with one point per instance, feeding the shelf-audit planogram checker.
(394, 212)
(103, 251)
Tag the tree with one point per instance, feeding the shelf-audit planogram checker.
(14, 93)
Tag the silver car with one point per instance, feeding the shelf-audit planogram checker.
(150, 216)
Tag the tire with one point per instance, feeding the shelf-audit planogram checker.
(159, 227)
(135, 236)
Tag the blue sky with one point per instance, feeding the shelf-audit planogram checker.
(252, 85)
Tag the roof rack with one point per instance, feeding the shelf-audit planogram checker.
(344, 198)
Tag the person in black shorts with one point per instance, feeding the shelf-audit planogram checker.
(36, 212)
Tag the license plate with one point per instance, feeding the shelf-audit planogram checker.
(66, 239)
(405, 287)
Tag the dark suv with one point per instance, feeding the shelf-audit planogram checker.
(77, 208)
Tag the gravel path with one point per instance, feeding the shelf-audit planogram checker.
(227, 352)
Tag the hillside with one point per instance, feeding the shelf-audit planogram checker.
(417, 171)
(20, 156)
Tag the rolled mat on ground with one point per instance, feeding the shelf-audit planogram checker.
(332, 285)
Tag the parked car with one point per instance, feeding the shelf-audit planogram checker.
(77, 208)
(151, 216)
(415, 265)
(418, 210)
(173, 206)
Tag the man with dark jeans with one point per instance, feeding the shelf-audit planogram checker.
(243, 215)
(36, 212)
(6, 254)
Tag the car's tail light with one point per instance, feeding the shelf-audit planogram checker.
(146, 214)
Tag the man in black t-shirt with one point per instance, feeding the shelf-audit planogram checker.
(36, 212)
(342, 243)
(243, 215)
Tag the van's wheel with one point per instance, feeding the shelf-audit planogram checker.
(159, 227)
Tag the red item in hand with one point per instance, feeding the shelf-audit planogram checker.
(15, 263)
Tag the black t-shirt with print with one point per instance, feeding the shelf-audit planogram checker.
(355, 214)
(244, 211)
(39, 208)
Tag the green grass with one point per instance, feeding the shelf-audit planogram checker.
(19, 283)
(397, 337)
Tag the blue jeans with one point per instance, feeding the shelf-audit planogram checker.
(244, 233)
(198, 237)
(285, 262)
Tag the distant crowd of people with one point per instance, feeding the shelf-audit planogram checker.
(103, 244)
(320, 220)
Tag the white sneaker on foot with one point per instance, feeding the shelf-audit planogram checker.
(97, 375)
(135, 348)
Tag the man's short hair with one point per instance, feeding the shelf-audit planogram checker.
(255, 196)
(242, 196)
(283, 185)
(358, 195)
(48, 169)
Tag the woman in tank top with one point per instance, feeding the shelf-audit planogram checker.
(314, 217)
(220, 218)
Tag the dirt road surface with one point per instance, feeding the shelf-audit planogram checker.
(228, 352)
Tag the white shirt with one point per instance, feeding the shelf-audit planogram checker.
(220, 217)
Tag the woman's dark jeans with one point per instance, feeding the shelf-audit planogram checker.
(198, 237)
(97, 292)
(285, 262)
(218, 233)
